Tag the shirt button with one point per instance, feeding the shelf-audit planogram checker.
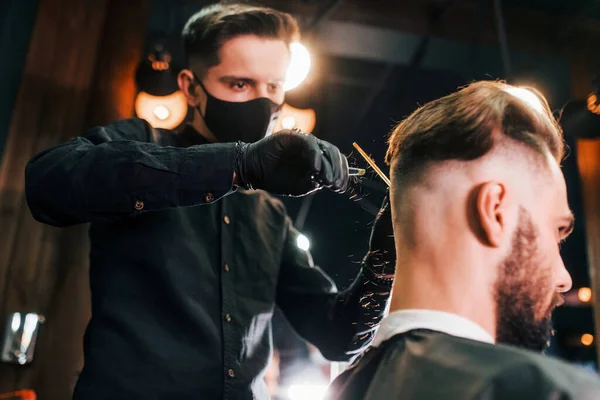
(227, 317)
(226, 268)
(209, 197)
(226, 219)
(138, 205)
(231, 373)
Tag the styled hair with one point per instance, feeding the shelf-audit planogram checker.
(207, 30)
(467, 124)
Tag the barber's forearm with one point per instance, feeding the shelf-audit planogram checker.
(80, 181)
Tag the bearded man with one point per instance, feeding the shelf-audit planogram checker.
(479, 208)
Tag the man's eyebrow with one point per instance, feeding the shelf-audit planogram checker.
(232, 78)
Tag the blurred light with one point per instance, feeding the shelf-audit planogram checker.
(584, 294)
(587, 339)
(159, 100)
(302, 242)
(161, 112)
(166, 112)
(299, 66)
(527, 96)
(16, 322)
(578, 121)
(306, 392)
(291, 117)
(592, 103)
(288, 122)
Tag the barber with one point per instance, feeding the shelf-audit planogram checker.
(189, 254)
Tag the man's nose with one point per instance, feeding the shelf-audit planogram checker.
(564, 283)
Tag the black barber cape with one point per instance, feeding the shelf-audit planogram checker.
(429, 365)
(185, 271)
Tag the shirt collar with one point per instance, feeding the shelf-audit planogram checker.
(402, 321)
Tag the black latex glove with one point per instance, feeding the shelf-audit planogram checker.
(381, 258)
(291, 163)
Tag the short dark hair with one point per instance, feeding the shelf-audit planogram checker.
(466, 125)
(207, 30)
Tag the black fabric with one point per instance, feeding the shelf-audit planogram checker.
(292, 163)
(183, 286)
(428, 365)
(246, 121)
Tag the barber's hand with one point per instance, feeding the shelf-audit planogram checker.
(291, 163)
(381, 258)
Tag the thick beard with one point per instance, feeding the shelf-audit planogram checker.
(521, 288)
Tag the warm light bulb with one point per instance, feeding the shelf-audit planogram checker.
(592, 103)
(587, 339)
(166, 112)
(299, 66)
(162, 112)
(295, 118)
(288, 122)
(584, 294)
(302, 242)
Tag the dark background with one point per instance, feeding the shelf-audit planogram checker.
(374, 62)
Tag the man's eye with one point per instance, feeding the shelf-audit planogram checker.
(561, 236)
(239, 85)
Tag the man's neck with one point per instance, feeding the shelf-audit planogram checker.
(415, 288)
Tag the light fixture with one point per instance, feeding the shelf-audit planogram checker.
(165, 112)
(302, 242)
(584, 294)
(288, 122)
(299, 66)
(161, 112)
(593, 104)
(587, 339)
(291, 118)
(159, 101)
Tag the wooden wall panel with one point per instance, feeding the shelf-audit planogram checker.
(79, 48)
(49, 107)
(113, 93)
(588, 160)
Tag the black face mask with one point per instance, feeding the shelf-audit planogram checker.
(247, 121)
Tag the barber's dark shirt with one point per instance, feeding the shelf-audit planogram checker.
(184, 270)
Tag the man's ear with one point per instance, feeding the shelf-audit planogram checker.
(189, 87)
(492, 213)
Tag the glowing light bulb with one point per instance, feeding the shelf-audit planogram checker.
(302, 242)
(166, 112)
(288, 122)
(584, 294)
(587, 339)
(592, 103)
(299, 66)
(16, 322)
(162, 112)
